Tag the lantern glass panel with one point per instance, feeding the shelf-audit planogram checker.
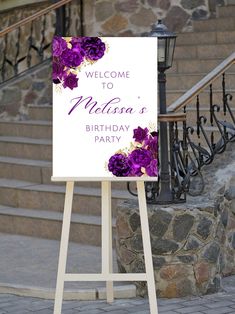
(170, 46)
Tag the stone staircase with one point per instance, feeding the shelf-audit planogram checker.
(196, 54)
(200, 51)
(30, 204)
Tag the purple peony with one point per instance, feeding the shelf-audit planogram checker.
(119, 165)
(93, 47)
(57, 70)
(152, 169)
(140, 157)
(152, 144)
(70, 81)
(58, 46)
(140, 134)
(76, 43)
(71, 58)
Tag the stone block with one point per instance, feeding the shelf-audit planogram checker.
(144, 17)
(221, 24)
(176, 18)
(115, 24)
(134, 221)
(127, 6)
(136, 243)
(204, 227)
(40, 113)
(199, 14)
(169, 272)
(123, 227)
(159, 223)
(202, 272)
(103, 10)
(211, 252)
(212, 52)
(11, 96)
(185, 52)
(161, 4)
(199, 38)
(38, 86)
(225, 11)
(25, 83)
(164, 246)
(192, 4)
(182, 225)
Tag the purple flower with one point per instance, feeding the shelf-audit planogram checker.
(140, 157)
(119, 165)
(71, 58)
(57, 70)
(93, 47)
(70, 81)
(58, 46)
(57, 81)
(151, 143)
(140, 134)
(152, 169)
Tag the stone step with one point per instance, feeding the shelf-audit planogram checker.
(23, 147)
(205, 38)
(47, 224)
(187, 81)
(37, 112)
(50, 197)
(39, 171)
(173, 95)
(225, 11)
(36, 171)
(37, 129)
(192, 115)
(199, 52)
(195, 66)
(218, 24)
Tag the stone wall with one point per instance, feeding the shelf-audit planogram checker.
(134, 17)
(193, 244)
(34, 87)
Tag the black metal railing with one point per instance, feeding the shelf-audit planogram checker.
(201, 123)
(209, 127)
(28, 42)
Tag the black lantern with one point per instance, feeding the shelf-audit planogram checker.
(166, 45)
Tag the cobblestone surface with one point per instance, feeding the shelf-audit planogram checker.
(219, 303)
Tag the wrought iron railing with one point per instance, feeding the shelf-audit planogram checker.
(209, 127)
(200, 126)
(27, 42)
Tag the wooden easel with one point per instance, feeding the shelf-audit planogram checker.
(107, 263)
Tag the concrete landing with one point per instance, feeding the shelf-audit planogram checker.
(28, 267)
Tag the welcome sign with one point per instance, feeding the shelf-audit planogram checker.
(105, 108)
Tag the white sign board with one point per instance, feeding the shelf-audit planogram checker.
(105, 108)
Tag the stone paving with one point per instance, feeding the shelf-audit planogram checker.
(30, 262)
(219, 303)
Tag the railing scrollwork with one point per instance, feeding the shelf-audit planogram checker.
(206, 136)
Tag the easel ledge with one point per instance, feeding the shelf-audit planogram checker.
(106, 274)
(102, 179)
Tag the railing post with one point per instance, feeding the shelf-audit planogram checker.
(165, 194)
(60, 29)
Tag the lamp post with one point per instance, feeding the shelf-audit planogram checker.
(166, 46)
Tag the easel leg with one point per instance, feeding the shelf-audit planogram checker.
(147, 248)
(64, 247)
(107, 248)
